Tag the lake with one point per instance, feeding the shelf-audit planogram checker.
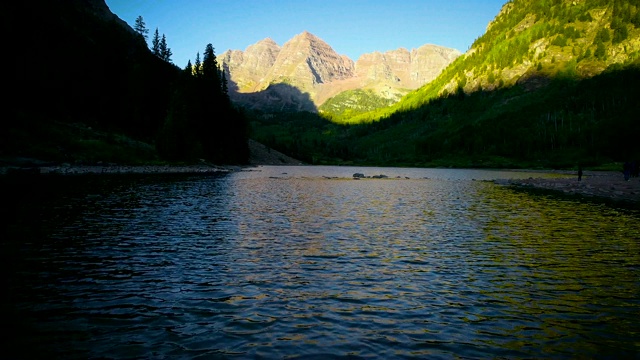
(305, 262)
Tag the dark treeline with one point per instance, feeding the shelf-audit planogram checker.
(302, 135)
(73, 65)
(201, 121)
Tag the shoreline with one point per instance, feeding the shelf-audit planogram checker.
(609, 186)
(66, 169)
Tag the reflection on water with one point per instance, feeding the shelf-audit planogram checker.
(303, 261)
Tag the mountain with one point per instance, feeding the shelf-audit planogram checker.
(306, 62)
(383, 78)
(250, 66)
(403, 68)
(530, 42)
(312, 67)
(551, 83)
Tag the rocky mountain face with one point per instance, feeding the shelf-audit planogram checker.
(308, 71)
(306, 61)
(250, 66)
(404, 68)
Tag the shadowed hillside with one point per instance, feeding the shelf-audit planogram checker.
(84, 87)
(276, 98)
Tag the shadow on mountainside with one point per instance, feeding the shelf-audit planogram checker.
(275, 98)
(263, 155)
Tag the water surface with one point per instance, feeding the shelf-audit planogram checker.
(286, 262)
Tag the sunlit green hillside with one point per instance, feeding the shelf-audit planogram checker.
(533, 40)
(351, 103)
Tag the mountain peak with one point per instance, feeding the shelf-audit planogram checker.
(307, 34)
(315, 68)
(309, 61)
(268, 41)
(307, 37)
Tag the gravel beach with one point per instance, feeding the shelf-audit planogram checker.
(603, 185)
(259, 155)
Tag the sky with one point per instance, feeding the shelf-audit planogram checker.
(350, 27)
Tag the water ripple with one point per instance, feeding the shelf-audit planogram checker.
(247, 266)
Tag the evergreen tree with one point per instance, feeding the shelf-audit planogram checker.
(601, 51)
(603, 35)
(211, 94)
(165, 51)
(210, 69)
(201, 122)
(635, 20)
(178, 138)
(155, 43)
(198, 66)
(225, 86)
(167, 55)
(620, 32)
(141, 28)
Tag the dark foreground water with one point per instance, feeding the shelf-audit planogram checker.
(304, 262)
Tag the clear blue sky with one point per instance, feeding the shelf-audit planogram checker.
(350, 27)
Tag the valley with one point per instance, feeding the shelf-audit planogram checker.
(549, 84)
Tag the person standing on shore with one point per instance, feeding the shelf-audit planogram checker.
(626, 169)
(579, 172)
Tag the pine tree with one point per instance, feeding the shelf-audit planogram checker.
(141, 28)
(635, 20)
(210, 68)
(214, 133)
(155, 43)
(197, 69)
(620, 32)
(201, 121)
(225, 86)
(603, 35)
(167, 55)
(165, 51)
(601, 51)
(162, 47)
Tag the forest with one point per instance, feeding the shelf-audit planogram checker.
(589, 121)
(90, 89)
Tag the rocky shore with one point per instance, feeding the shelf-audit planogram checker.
(259, 155)
(123, 169)
(76, 169)
(607, 186)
